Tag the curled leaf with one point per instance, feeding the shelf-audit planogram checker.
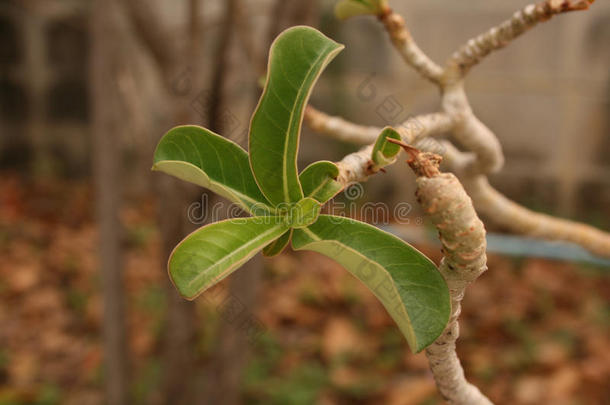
(385, 152)
(318, 181)
(303, 213)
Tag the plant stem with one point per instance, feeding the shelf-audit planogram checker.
(462, 235)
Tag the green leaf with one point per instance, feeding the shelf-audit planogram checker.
(303, 213)
(407, 283)
(385, 152)
(199, 156)
(352, 8)
(277, 246)
(214, 251)
(296, 59)
(318, 181)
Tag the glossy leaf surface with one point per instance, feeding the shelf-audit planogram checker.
(277, 246)
(407, 283)
(318, 181)
(385, 152)
(296, 59)
(212, 252)
(199, 156)
(303, 213)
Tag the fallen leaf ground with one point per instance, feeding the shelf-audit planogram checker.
(533, 331)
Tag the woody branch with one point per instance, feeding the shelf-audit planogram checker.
(462, 235)
(483, 151)
(498, 37)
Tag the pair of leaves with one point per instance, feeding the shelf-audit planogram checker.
(286, 205)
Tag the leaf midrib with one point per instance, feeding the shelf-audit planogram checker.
(240, 196)
(243, 247)
(322, 185)
(290, 122)
(316, 238)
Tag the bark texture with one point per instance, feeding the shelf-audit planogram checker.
(498, 37)
(462, 235)
(516, 218)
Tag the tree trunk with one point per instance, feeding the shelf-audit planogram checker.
(179, 354)
(238, 331)
(225, 372)
(236, 335)
(105, 57)
(221, 68)
(179, 339)
(180, 362)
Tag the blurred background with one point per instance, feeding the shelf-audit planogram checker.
(87, 313)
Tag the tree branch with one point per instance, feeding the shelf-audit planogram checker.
(153, 33)
(405, 44)
(245, 32)
(463, 238)
(520, 220)
(106, 59)
(194, 30)
(470, 132)
(510, 215)
(221, 59)
(498, 37)
(442, 196)
(357, 167)
(341, 129)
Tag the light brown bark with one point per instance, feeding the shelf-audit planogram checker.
(463, 238)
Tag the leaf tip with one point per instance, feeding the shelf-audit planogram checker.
(352, 8)
(177, 285)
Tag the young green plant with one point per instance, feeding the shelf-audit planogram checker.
(285, 205)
